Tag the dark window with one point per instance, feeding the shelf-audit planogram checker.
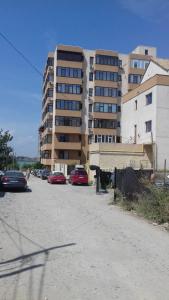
(149, 99)
(63, 154)
(148, 126)
(135, 104)
(146, 52)
(63, 138)
(107, 60)
(106, 91)
(91, 76)
(50, 92)
(105, 107)
(68, 88)
(67, 121)
(105, 75)
(69, 72)
(90, 92)
(91, 60)
(69, 56)
(50, 61)
(134, 78)
(68, 104)
(101, 123)
(50, 108)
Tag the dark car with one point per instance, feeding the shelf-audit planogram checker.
(44, 174)
(57, 177)
(78, 177)
(14, 180)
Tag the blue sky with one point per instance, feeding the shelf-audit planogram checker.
(36, 27)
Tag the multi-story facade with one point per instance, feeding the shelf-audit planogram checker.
(81, 104)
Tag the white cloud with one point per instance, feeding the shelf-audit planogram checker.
(153, 10)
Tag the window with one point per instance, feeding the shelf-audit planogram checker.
(63, 138)
(106, 91)
(104, 138)
(90, 107)
(50, 108)
(68, 104)
(63, 154)
(101, 123)
(69, 72)
(90, 123)
(91, 76)
(67, 121)
(105, 75)
(139, 63)
(134, 78)
(69, 55)
(50, 92)
(90, 92)
(91, 60)
(135, 104)
(68, 88)
(149, 99)
(105, 107)
(107, 60)
(148, 126)
(146, 51)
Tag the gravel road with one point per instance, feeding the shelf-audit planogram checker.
(65, 243)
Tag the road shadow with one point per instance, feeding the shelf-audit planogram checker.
(45, 250)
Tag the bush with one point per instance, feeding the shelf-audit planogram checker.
(153, 204)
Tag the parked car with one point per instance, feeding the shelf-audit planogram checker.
(14, 180)
(44, 174)
(57, 177)
(38, 173)
(78, 177)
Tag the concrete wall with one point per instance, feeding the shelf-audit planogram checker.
(152, 70)
(107, 157)
(162, 137)
(131, 117)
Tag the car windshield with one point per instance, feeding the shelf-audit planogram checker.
(57, 174)
(14, 174)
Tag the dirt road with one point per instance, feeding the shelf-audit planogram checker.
(66, 243)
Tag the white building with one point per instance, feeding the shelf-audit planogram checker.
(145, 114)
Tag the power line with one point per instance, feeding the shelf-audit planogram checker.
(21, 54)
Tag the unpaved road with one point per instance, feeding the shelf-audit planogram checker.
(95, 251)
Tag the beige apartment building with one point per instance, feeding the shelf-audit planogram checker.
(81, 106)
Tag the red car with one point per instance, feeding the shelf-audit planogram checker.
(78, 177)
(57, 177)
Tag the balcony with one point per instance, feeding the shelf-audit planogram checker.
(46, 147)
(67, 129)
(67, 145)
(67, 161)
(102, 115)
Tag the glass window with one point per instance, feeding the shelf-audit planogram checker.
(90, 92)
(69, 55)
(148, 126)
(68, 88)
(149, 99)
(91, 76)
(91, 60)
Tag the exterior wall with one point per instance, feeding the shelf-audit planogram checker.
(144, 113)
(141, 50)
(162, 137)
(107, 157)
(152, 70)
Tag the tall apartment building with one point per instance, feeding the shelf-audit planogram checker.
(81, 104)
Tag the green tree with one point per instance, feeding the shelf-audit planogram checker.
(5, 149)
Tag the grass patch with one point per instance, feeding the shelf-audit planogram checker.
(152, 204)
